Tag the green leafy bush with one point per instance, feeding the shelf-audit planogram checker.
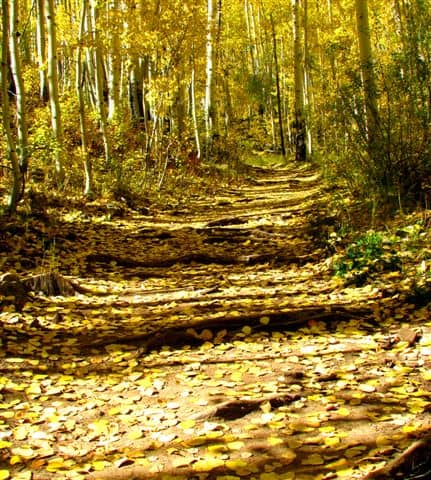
(368, 254)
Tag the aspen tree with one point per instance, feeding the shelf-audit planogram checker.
(114, 60)
(299, 122)
(193, 106)
(277, 84)
(41, 50)
(54, 101)
(16, 71)
(368, 77)
(209, 84)
(99, 78)
(17, 178)
(80, 80)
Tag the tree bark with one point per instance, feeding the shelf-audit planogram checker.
(99, 80)
(368, 77)
(299, 129)
(209, 84)
(80, 81)
(41, 51)
(54, 100)
(17, 180)
(277, 83)
(15, 66)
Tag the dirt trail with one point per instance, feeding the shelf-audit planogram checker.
(216, 345)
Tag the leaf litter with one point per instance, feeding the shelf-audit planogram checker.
(211, 343)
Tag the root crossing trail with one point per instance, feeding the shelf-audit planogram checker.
(208, 341)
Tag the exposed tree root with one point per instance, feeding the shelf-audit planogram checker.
(240, 407)
(159, 335)
(204, 259)
(413, 464)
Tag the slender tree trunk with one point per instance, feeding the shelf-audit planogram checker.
(15, 65)
(307, 80)
(17, 178)
(114, 63)
(209, 85)
(41, 51)
(251, 34)
(299, 129)
(54, 101)
(80, 81)
(368, 78)
(99, 80)
(193, 110)
(277, 83)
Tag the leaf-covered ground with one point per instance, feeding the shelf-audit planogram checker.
(211, 340)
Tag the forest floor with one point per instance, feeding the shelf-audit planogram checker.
(211, 340)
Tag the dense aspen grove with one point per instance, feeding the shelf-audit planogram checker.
(119, 95)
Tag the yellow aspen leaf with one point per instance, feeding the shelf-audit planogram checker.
(14, 459)
(135, 434)
(218, 448)
(207, 464)
(100, 427)
(99, 465)
(55, 464)
(187, 424)
(346, 473)
(273, 441)
(114, 411)
(235, 445)
(327, 429)
(313, 459)
(332, 441)
(5, 444)
(236, 464)
(4, 474)
(246, 329)
(338, 464)
(410, 428)
(344, 412)
(264, 320)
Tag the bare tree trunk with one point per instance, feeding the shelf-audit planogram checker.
(209, 85)
(99, 80)
(299, 123)
(15, 65)
(80, 81)
(114, 64)
(17, 179)
(54, 101)
(41, 51)
(193, 110)
(277, 83)
(368, 78)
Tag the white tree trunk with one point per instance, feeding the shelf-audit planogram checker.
(15, 65)
(208, 106)
(17, 179)
(54, 101)
(88, 176)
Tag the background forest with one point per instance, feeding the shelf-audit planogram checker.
(124, 96)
